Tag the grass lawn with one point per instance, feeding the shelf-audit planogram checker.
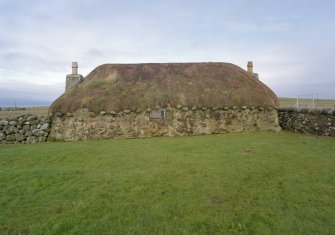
(239, 183)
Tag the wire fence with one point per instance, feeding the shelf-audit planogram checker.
(23, 104)
(309, 103)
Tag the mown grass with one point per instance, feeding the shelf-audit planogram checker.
(244, 183)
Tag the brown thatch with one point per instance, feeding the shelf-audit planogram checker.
(138, 86)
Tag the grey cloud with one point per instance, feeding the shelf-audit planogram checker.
(319, 89)
(23, 93)
(39, 39)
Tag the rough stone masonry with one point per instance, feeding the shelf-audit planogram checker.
(26, 129)
(308, 121)
(72, 80)
(182, 121)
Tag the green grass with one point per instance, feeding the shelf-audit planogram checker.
(243, 183)
(319, 103)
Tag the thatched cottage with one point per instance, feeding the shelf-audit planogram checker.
(162, 99)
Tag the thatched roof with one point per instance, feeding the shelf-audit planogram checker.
(131, 86)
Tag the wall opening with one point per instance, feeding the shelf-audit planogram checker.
(155, 114)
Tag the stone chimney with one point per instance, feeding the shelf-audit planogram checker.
(250, 67)
(74, 79)
(74, 68)
(251, 70)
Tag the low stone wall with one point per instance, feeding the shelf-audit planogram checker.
(84, 125)
(315, 122)
(24, 129)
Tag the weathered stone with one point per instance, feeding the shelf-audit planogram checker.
(31, 140)
(28, 134)
(22, 119)
(127, 111)
(19, 137)
(102, 113)
(34, 132)
(9, 130)
(3, 122)
(45, 127)
(58, 114)
(194, 108)
(41, 139)
(26, 127)
(13, 123)
(31, 118)
(244, 107)
(37, 132)
(185, 108)
(311, 122)
(72, 81)
(10, 137)
(34, 122)
(2, 136)
(113, 113)
(175, 122)
(179, 106)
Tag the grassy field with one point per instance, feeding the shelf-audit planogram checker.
(39, 111)
(243, 183)
(319, 103)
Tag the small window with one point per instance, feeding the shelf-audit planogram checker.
(158, 113)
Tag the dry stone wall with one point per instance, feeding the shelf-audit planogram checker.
(25, 129)
(180, 121)
(315, 122)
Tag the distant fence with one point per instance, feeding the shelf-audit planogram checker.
(306, 103)
(23, 104)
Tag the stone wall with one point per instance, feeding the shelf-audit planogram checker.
(24, 129)
(72, 81)
(85, 125)
(315, 122)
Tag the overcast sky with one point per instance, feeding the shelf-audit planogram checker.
(292, 42)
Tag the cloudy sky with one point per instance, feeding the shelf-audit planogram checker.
(292, 42)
